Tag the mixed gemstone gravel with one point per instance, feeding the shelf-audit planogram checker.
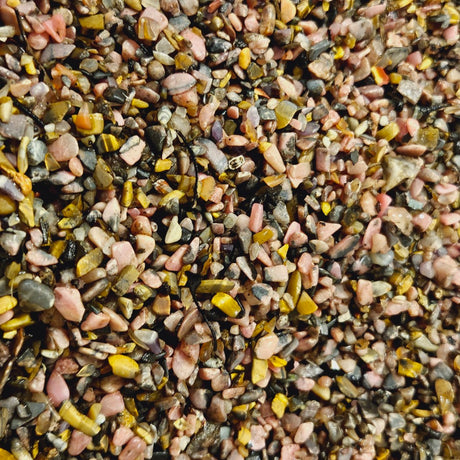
(229, 229)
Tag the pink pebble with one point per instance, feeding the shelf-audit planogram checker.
(236, 22)
(151, 279)
(298, 173)
(304, 384)
(294, 227)
(95, 321)
(76, 167)
(78, 442)
(233, 112)
(134, 450)
(128, 49)
(4, 317)
(174, 263)
(66, 366)
(112, 404)
(450, 218)
(117, 322)
(303, 432)
(415, 58)
(40, 258)
(273, 157)
(395, 308)
(64, 148)
(38, 41)
(266, 346)
(99, 88)
(57, 389)
(289, 451)
(122, 435)
(422, 221)
(68, 303)
(144, 247)
(373, 379)
(364, 292)
(184, 360)
(330, 120)
(323, 160)
(451, 34)
(198, 47)
(141, 225)
(251, 23)
(305, 263)
(445, 189)
(124, 254)
(206, 115)
(256, 218)
(412, 126)
(276, 274)
(373, 228)
(384, 200)
(374, 10)
(56, 27)
(258, 435)
(326, 229)
(158, 21)
(236, 140)
(132, 154)
(111, 214)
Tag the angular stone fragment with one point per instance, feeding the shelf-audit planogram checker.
(11, 241)
(16, 127)
(55, 51)
(68, 303)
(288, 11)
(126, 278)
(34, 296)
(214, 155)
(410, 90)
(266, 346)
(276, 274)
(184, 360)
(151, 23)
(322, 67)
(178, 83)
(400, 169)
(131, 150)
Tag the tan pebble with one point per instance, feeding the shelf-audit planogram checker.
(288, 11)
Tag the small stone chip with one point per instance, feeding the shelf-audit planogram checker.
(227, 304)
(409, 368)
(306, 305)
(259, 370)
(410, 90)
(124, 366)
(279, 404)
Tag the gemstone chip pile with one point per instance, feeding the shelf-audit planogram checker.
(229, 229)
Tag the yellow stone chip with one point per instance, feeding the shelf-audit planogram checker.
(95, 21)
(81, 422)
(227, 304)
(244, 435)
(279, 404)
(16, 323)
(306, 305)
(263, 236)
(389, 132)
(244, 58)
(259, 370)
(7, 303)
(123, 366)
(409, 368)
(89, 262)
